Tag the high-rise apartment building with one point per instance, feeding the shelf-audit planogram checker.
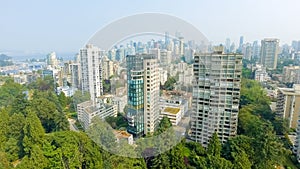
(91, 71)
(155, 52)
(227, 45)
(75, 75)
(216, 94)
(181, 46)
(241, 44)
(296, 46)
(143, 93)
(269, 53)
(108, 68)
(52, 60)
(247, 51)
(255, 51)
(291, 74)
(288, 105)
(165, 57)
(296, 146)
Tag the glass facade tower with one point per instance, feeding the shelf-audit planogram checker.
(143, 93)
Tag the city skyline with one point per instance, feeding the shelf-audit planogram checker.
(53, 26)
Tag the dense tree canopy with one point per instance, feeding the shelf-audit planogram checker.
(34, 133)
(169, 84)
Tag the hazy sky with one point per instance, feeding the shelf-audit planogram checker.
(65, 25)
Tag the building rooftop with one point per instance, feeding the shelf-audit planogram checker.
(90, 108)
(106, 96)
(291, 67)
(121, 134)
(291, 91)
(172, 110)
(86, 103)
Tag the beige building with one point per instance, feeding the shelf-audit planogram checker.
(108, 68)
(269, 52)
(88, 110)
(216, 95)
(165, 57)
(163, 75)
(288, 104)
(151, 94)
(143, 79)
(291, 74)
(52, 60)
(20, 78)
(173, 113)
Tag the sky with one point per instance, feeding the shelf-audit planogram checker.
(65, 26)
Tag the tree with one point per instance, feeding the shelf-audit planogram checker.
(237, 145)
(241, 161)
(169, 84)
(115, 161)
(33, 133)
(9, 92)
(117, 122)
(252, 93)
(106, 86)
(246, 73)
(280, 126)
(176, 157)
(214, 147)
(43, 84)
(4, 163)
(20, 104)
(70, 149)
(217, 163)
(15, 134)
(268, 150)
(161, 161)
(51, 116)
(4, 122)
(79, 97)
(164, 124)
(62, 99)
(32, 143)
(35, 160)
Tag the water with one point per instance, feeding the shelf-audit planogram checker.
(24, 57)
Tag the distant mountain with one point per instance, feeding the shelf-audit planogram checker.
(5, 60)
(4, 57)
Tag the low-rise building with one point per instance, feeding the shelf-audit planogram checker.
(174, 114)
(174, 108)
(88, 110)
(68, 91)
(174, 102)
(20, 78)
(261, 74)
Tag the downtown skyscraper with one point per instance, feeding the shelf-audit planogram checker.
(143, 93)
(216, 94)
(91, 71)
(269, 53)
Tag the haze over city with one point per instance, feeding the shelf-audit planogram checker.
(65, 26)
(150, 84)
